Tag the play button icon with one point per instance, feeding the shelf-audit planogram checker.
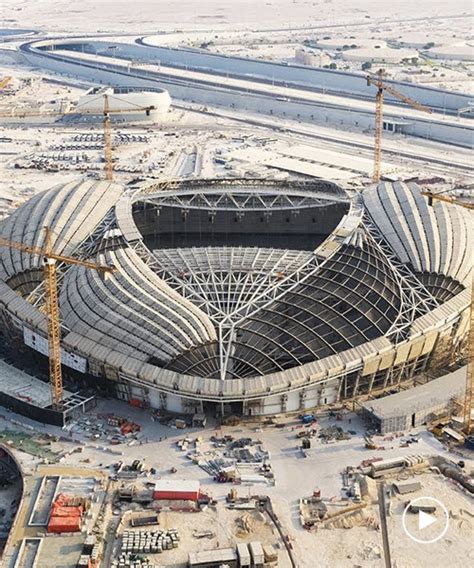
(425, 520)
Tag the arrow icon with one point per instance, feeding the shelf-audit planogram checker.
(425, 520)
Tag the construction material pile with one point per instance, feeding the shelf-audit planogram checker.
(107, 427)
(119, 138)
(218, 467)
(149, 541)
(249, 523)
(132, 561)
(333, 433)
(129, 471)
(353, 516)
(230, 459)
(66, 514)
(393, 466)
(126, 427)
(245, 450)
(312, 510)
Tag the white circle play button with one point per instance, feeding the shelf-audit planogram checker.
(425, 520)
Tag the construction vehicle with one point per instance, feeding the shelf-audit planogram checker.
(467, 407)
(377, 81)
(107, 111)
(232, 496)
(369, 443)
(225, 476)
(307, 418)
(52, 303)
(302, 433)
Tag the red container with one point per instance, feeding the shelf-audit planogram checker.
(64, 524)
(177, 490)
(177, 495)
(58, 511)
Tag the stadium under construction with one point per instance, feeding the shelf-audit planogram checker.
(251, 297)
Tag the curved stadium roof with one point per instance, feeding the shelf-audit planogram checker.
(316, 273)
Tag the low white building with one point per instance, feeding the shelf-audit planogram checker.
(133, 104)
(463, 51)
(414, 407)
(312, 58)
(379, 54)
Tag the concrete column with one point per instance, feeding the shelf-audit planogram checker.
(303, 395)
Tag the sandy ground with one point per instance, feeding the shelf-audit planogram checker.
(273, 29)
(224, 523)
(295, 476)
(115, 15)
(451, 550)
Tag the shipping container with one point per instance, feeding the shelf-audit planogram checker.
(89, 543)
(244, 555)
(178, 489)
(144, 521)
(59, 511)
(64, 524)
(270, 554)
(258, 557)
(213, 558)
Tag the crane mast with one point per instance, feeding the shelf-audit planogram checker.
(378, 134)
(470, 368)
(109, 166)
(54, 331)
(52, 303)
(377, 81)
(54, 326)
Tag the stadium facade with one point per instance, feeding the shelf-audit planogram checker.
(247, 296)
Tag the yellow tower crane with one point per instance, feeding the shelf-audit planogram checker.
(4, 82)
(377, 81)
(446, 199)
(52, 303)
(107, 111)
(470, 369)
(108, 158)
(468, 398)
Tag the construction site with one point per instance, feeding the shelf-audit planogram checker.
(236, 292)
